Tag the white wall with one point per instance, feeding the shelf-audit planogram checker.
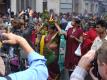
(53, 4)
(65, 6)
(96, 8)
(13, 6)
(81, 6)
(39, 6)
(34, 4)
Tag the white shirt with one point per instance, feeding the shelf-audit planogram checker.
(69, 25)
(97, 43)
(79, 73)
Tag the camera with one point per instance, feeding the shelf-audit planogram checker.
(95, 70)
(26, 15)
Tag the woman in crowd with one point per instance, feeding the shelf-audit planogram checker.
(51, 52)
(44, 33)
(73, 39)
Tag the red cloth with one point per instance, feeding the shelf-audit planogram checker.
(91, 34)
(33, 37)
(70, 58)
(89, 37)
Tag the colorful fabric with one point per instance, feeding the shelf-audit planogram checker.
(42, 44)
(70, 58)
(51, 53)
(50, 56)
(89, 37)
(62, 50)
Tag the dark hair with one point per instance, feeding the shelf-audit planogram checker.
(77, 20)
(52, 27)
(101, 53)
(102, 23)
(92, 24)
(16, 24)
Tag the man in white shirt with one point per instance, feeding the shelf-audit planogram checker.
(84, 63)
(101, 28)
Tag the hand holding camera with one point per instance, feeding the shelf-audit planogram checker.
(92, 75)
(85, 61)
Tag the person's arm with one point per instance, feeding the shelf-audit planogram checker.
(83, 66)
(80, 40)
(79, 73)
(28, 31)
(14, 39)
(60, 30)
(37, 69)
(2, 67)
(21, 13)
(39, 28)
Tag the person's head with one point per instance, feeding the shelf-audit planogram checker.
(76, 22)
(51, 28)
(21, 23)
(92, 24)
(102, 60)
(45, 26)
(101, 26)
(15, 24)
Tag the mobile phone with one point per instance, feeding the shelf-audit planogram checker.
(95, 70)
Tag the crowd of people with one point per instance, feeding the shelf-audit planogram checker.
(58, 47)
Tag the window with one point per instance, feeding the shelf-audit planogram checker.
(22, 4)
(86, 5)
(44, 6)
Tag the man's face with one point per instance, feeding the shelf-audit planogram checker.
(100, 29)
(102, 69)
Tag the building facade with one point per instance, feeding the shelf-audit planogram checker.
(18, 5)
(4, 5)
(59, 6)
(65, 6)
(103, 6)
(85, 6)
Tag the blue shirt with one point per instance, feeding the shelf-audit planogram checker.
(36, 71)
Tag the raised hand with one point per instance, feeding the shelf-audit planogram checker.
(10, 38)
